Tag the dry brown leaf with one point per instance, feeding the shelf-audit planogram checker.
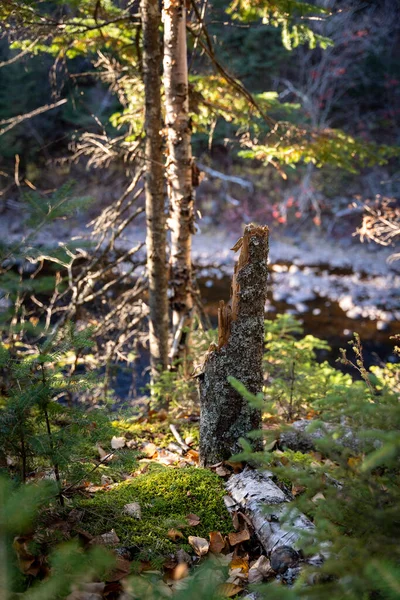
(101, 451)
(228, 590)
(149, 449)
(199, 545)
(193, 519)
(316, 456)
(235, 520)
(229, 502)
(260, 570)
(241, 563)
(106, 480)
(353, 462)
(107, 539)
(83, 595)
(88, 591)
(218, 464)
(192, 455)
(317, 497)
(174, 534)
(236, 466)
(239, 537)
(217, 542)
(180, 572)
(298, 489)
(222, 471)
(117, 442)
(162, 414)
(121, 570)
(166, 457)
(28, 563)
(133, 509)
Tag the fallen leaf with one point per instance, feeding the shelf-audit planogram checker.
(189, 440)
(117, 442)
(222, 471)
(87, 591)
(217, 542)
(236, 466)
(317, 497)
(174, 534)
(239, 537)
(108, 539)
(229, 502)
(180, 572)
(83, 595)
(298, 489)
(162, 414)
(269, 447)
(105, 480)
(228, 590)
(102, 453)
(121, 570)
(241, 563)
(193, 519)
(193, 455)
(199, 545)
(165, 457)
(235, 520)
(149, 449)
(353, 462)
(133, 509)
(260, 570)
(316, 456)
(28, 563)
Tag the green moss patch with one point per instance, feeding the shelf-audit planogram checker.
(155, 431)
(166, 496)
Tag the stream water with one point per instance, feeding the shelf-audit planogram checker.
(330, 302)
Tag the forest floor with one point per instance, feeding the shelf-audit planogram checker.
(161, 517)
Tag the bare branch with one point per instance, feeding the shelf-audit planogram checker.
(14, 121)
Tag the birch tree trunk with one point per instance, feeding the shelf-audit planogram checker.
(179, 168)
(225, 416)
(154, 186)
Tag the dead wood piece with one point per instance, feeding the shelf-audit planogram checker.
(225, 415)
(254, 491)
(298, 439)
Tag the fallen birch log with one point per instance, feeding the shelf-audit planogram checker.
(279, 532)
(254, 491)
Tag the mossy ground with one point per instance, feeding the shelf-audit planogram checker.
(166, 496)
(156, 431)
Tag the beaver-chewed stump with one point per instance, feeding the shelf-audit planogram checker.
(225, 415)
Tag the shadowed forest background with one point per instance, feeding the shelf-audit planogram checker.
(139, 141)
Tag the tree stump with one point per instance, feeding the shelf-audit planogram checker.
(226, 416)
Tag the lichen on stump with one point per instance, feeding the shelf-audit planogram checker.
(225, 415)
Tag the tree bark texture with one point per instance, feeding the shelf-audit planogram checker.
(225, 416)
(154, 185)
(179, 167)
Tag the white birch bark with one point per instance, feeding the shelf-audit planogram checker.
(179, 166)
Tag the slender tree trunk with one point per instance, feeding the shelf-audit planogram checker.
(225, 415)
(179, 167)
(154, 185)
